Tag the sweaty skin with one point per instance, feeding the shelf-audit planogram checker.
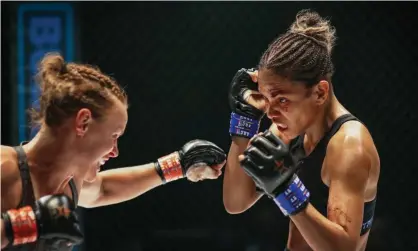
(350, 169)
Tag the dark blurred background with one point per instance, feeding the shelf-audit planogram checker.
(176, 60)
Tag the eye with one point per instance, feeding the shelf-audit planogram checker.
(283, 100)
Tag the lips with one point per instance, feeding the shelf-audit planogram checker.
(281, 126)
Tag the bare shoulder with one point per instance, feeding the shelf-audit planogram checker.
(9, 165)
(353, 136)
(353, 148)
(10, 178)
(90, 192)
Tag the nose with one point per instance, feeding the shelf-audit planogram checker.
(115, 151)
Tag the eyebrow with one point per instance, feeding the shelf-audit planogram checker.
(280, 91)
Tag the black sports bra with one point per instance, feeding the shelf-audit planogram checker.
(28, 199)
(310, 166)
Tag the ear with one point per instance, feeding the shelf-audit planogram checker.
(82, 121)
(321, 92)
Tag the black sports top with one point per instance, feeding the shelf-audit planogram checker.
(28, 199)
(309, 171)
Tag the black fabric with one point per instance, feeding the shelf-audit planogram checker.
(28, 199)
(74, 192)
(368, 216)
(310, 166)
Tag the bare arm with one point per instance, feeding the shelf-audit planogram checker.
(118, 185)
(239, 191)
(122, 184)
(349, 167)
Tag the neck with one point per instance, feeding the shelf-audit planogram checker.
(51, 160)
(332, 110)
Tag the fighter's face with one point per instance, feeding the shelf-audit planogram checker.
(291, 106)
(100, 142)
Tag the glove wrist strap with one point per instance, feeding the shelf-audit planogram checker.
(20, 225)
(243, 126)
(169, 167)
(294, 199)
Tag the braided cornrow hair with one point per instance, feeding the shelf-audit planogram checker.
(303, 53)
(68, 87)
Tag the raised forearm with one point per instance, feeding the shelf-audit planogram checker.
(122, 184)
(239, 191)
(321, 233)
(4, 240)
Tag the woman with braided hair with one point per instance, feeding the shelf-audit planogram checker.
(314, 143)
(82, 114)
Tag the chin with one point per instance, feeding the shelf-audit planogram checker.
(90, 180)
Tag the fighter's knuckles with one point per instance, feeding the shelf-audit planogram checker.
(255, 140)
(243, 159)
(246, 161)
(280, 152)
(260, 141)
(198, 172)
(249, 151)
(273, 138)
(253, 74)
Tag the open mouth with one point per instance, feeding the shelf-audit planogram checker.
(281, 126)
(100, 163)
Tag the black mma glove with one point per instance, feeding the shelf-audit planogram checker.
(175, 165)
(268, 163)
(53, 218)
(245, 118)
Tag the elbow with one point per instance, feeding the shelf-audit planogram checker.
(235, 205)
(233, 209)
(239, 196)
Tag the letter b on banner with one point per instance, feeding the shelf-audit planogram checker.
(42, 28)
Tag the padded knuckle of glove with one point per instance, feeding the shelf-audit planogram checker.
(201, 151)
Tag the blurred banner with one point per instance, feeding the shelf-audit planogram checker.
(41, 28)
